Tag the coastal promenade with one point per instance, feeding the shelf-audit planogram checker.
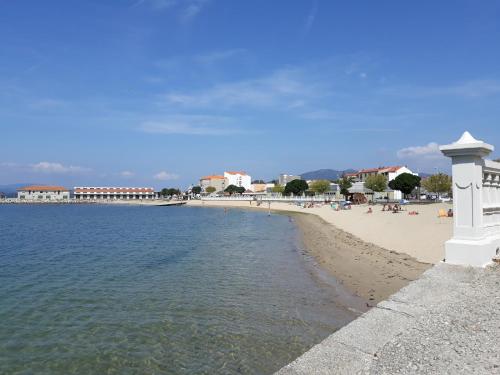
(453, 330)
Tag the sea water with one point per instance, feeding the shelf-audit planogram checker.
(93, 289)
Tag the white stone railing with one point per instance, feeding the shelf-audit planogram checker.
(271, 198)
(476, 203)
(491, 196)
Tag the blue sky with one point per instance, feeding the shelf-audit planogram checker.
(160, 92)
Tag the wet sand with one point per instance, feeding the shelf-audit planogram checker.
(365, 269)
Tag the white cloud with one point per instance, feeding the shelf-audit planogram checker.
(7, 164)
(127, 174)
(429, 151)
(280, 89)
(157, 4)
(468, 89)
(48, 103)
(311, 17)
(192, 9)
(48, 167)
(191, 125)
(165, 176)
(217, 56)
(188, 9)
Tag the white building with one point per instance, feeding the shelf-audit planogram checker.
(43, 193)
(389, 172)
(240, 179)
(92, 192)
(284, 179)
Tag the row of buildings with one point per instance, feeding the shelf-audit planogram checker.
(59, 193)
(218, 183)
(221, 182)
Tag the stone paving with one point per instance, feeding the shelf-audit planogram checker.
(446, 322)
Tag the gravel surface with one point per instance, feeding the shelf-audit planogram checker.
(446, 322)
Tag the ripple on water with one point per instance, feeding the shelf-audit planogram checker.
(94, 289)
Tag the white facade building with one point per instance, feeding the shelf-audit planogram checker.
(240, 179)
(284, 179)
(389, 172)
(43, 193)
(113, 193)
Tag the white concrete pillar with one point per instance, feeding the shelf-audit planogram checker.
(469, 245)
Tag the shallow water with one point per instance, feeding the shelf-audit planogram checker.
(164, 290)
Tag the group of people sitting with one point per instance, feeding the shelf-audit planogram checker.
(394, 209)
(390, 208)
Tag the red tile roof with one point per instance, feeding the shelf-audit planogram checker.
(119, 190)
(380, 169)
(213, 177)
(391, 169)
(369, 170)
(42, 188)
(242, 173)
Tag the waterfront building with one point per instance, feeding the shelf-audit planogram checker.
(389, 172)
(240, 179)
(286, 178)
(114, 193)
(216, 181)
(353, 176)
(270, 186)
(42, 193)
(258, 186)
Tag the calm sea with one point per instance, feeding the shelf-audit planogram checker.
(93, 289)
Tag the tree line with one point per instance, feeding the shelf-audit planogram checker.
(439, 183)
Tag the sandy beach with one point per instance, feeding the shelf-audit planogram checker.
(372, 255)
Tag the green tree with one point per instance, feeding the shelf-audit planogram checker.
(277, 188)
(345, 183)
(438, 183)
(210, 189)
(320, 186)
(196, 190)
(405, 183)
(296, 187)
(169, 192)
(376, 182)
(233, 189)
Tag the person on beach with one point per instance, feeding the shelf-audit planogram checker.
(369, 210)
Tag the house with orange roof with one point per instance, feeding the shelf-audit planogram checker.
(216, 181)
(42, 193)
(389, 172)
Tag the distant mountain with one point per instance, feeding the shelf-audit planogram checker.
(325, 174)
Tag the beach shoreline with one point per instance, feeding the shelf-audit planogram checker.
(366, 269)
